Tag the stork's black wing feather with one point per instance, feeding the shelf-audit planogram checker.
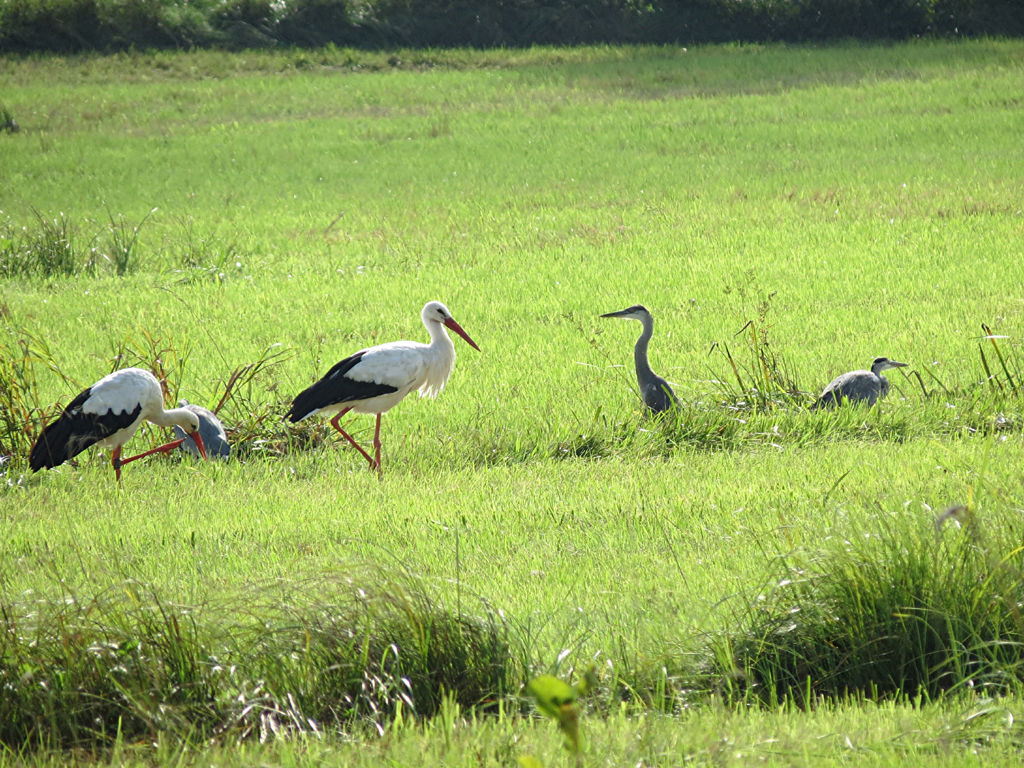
(75, 431)
(334, 388)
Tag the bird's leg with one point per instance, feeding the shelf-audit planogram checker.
(376, 447)
(115, 462)
(347, 436)
(166, 448)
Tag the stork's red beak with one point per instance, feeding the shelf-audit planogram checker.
(199, 444)
(450, 322)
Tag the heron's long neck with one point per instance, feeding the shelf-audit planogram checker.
(883, 383)
(643, 368)
(171, 418)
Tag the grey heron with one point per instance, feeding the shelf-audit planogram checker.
(655, 391)
(375, 380)
(107, 414)
(210, 430)
(859, 386)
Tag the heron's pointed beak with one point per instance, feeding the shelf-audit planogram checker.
(894, 364)
(200, 446)
(450, 322)
(620, 313)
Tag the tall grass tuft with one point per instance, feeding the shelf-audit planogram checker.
(56, 248)
(325, 652)
(763, 381)
(80, 670)
(204, 258)
(1004, 374)
(911, 604)
(360, 644)
(123, 243)
(21, 410)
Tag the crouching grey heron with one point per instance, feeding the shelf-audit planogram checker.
(859, 386)
(210, 429)
(655, 391)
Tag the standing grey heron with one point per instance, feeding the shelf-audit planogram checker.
(655, 391)
(374, 380)
(210, 430)
(858, 386)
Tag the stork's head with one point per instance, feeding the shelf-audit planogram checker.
(189, 422)
(636, 312)
(884, 364)
(436, 312)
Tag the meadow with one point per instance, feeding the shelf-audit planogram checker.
(787, 213)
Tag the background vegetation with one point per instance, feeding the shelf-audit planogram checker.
(752, 580)
(112, 25)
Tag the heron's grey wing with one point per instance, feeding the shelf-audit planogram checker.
(210, 430)
(855, 386)
(658, 395)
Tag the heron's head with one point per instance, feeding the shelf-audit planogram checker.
(436, 312)
(189, 422)
(636, 312)
(884, 364)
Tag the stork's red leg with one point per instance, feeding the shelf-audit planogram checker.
(166, 448)
(347, 436)
(376, 446)
(115, 462)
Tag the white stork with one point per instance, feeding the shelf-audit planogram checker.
(107, 414)
(375, 379)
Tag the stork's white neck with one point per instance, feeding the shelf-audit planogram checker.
(439, 359)
(176, 417)
(439, 337)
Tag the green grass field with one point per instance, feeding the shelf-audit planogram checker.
(850, 201)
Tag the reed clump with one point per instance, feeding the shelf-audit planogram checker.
(325, 652)
(907, 605)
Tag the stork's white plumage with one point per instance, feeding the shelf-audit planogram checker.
(107, 414)
(374, 380)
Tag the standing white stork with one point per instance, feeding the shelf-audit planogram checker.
(375, 379)
(107, 414)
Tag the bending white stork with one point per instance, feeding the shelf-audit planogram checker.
(107, 414)
(374, 380)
